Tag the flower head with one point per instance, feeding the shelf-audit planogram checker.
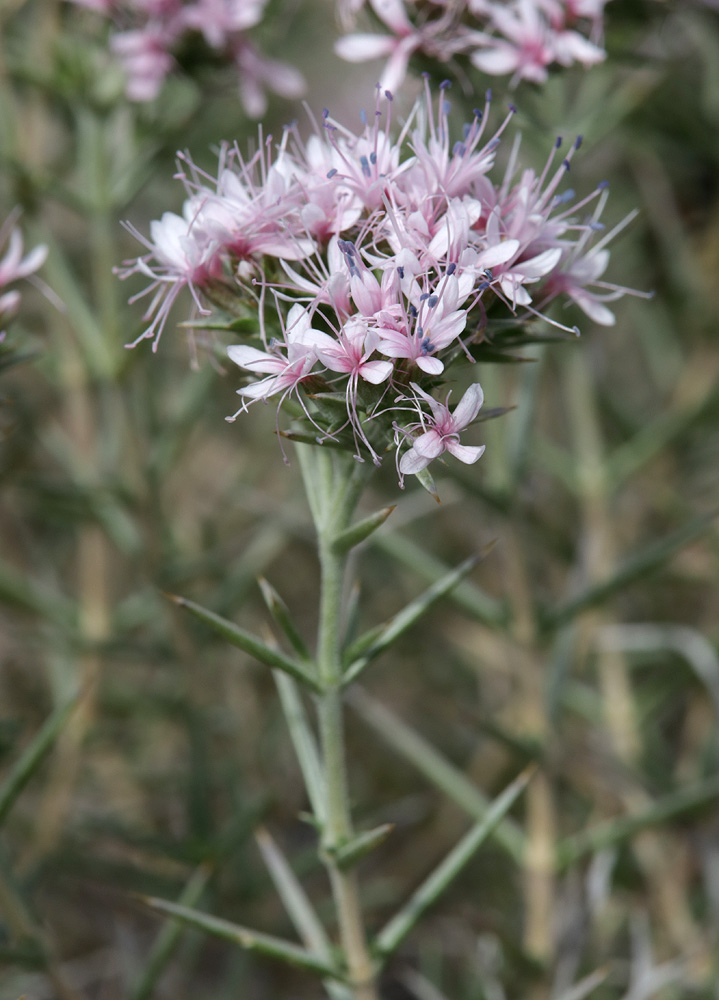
(389, 259)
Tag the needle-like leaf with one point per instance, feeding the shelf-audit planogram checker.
(250, 940)
(281, 614)
(357, 533)
(393, 933)
(250, 643)
(33, 755)
(405, 619)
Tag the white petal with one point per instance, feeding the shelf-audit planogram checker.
(376, 371)
(411, 463)
(432, 366)
(464, 452)
(250, 357)
(360, 47)
(468, 407)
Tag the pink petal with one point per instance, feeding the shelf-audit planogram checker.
(429, 445)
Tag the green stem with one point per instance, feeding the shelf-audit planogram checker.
(334, 483)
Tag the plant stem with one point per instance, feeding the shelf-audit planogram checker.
(334, 483)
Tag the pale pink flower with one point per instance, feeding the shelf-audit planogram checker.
(379, 253)
(14, 266)
(285, 366)
(523, 46)
(427, 328)
(440, 431)
(152, 31)
(258, 74)
(145, 60)
(516, 38)
(180, 256)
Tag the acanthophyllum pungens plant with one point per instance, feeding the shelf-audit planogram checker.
(367, 276)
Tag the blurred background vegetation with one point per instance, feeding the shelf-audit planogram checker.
(140, 755)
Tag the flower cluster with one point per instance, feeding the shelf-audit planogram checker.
(519, 38)
(153, 31)
(14, 266)
(384, 261)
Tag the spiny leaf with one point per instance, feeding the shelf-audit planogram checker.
(168, 938)
(467, 596)
(436, 768)
(239, 324)
(281, 614)
(425, 480)
(352, 851)
(300, 437)
(305, 744)
(34, 754)
(406, 618)
(250, 940)
(614, 831)
(296, 902)
(394, 932)
(644, 562)
(250, 643)
(357, 533)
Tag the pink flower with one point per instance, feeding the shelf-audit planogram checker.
(182, 257)
(145, 59)
(285, 371)
(14, 267)
(524, 48)
(441, 431)
(431, 326)
(154, 30)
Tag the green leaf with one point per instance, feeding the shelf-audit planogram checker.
(614, 831)
(645, 562)
(250, 940)
(281, 614)
(33, 756)
(466, 595)
(250, 643)
(435, 767)
(394, 932)
(18, 591)
(239, 324)
(348, 854)
(358, 532)
(406, 618)
(296, 902)
(304, 742)
(425, 480)
(300, 437)
(168, 939)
